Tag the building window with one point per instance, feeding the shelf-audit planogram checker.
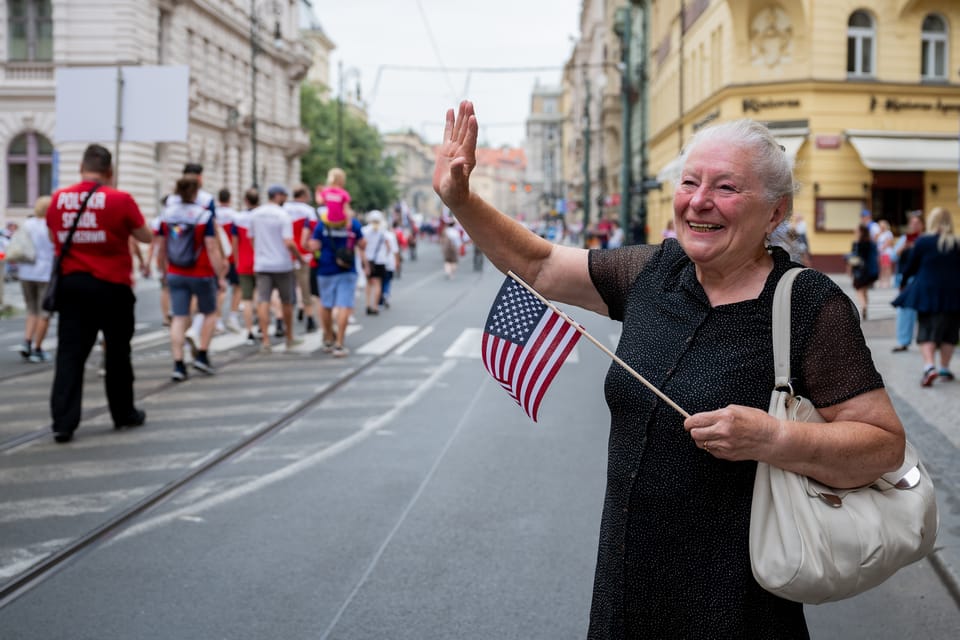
(933, 49)
(861, 36)
(29, 169)
(30, 30)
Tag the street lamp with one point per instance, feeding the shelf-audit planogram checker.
(254, 50)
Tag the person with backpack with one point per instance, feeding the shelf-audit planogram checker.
(188, 251)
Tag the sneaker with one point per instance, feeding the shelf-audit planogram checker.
(252, 340)
(39, 355)
(202, 363)
(179, 373)
(265, 347)
(946, 374)
(328, 346)
(294, 342)
(233, 325)
(340, 351)
(135, 419)
(929, 375)
(25, 350)
(900, 348)
(63, 437)
(220, 328)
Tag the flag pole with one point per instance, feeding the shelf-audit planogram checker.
(600, 346)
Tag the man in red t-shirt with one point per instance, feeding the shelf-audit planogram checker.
(243, 250)
(95, 291)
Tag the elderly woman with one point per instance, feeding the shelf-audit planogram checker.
(673, 557)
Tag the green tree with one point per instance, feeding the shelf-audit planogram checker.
(370, 175)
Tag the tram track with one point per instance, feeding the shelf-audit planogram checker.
(50, 565)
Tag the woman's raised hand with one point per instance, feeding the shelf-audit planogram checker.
(456, 156)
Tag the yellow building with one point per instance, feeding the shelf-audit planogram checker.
(865, 96)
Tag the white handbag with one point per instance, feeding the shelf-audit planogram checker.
(21, 249)
(811, 543)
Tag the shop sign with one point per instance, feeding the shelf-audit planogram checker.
(750, 104)
(909, 105)
(705, 120)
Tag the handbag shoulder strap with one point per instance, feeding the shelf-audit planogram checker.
(781, 327)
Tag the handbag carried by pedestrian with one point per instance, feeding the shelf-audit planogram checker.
(21, 248)
(812, 543)
(49, 302)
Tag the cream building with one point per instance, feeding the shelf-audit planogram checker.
(544, 147)
(414, 178)
(864, 96)
(246, 60)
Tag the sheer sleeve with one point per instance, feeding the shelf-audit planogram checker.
(833, 362)
(613, 271)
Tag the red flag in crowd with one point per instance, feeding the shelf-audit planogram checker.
(524, 344)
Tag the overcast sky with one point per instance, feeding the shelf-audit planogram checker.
(375, 37)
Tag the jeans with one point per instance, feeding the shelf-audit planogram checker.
(906, 320)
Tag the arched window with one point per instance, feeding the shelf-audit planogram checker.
(933, 49)
(861, 39)
(30, 30)
(29, 169)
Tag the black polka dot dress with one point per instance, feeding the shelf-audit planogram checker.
(673, 559)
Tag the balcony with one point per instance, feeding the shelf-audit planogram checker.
(27, 72)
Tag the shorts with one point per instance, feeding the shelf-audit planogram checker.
(182, 288)
(248, 282)
(302, 278)
(338, 290)
(377, 270)
(32, 297)
(938, 328)
(233, 279)
(282, 281)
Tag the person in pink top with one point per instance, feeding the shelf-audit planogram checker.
(335, 197)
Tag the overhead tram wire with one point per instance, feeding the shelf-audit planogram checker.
(436, 48)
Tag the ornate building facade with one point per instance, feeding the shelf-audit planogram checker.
(246, 60)
(864, 96)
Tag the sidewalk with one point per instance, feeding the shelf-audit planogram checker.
(929, 415)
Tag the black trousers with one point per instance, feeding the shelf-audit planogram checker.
(88, 305)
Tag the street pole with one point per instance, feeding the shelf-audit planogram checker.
(644, 109)
(626, 183)
(253, 93)
(340, 114)
(586, 159)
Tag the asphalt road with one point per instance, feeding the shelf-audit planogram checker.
(415, 500)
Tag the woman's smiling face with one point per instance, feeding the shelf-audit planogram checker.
(720, 208)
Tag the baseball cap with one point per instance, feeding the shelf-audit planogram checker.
(277, 189)
(374, 216)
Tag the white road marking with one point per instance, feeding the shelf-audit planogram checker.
(424, 332)
(68, 506)
(387, 340)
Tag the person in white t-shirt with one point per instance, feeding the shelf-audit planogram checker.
(33, 282)
(274, 254)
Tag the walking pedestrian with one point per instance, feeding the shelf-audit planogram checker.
(864, 266)
(934, 292)
(94, 291)
(274, 256)
(338, 238)
(906, 321)
(378, 252)
(301, 215)
(189, 251)
(243, 249)
(226, 217)
(33, 282)
(673, 556)
(450, 243)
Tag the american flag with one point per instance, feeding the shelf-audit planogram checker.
(524, 344)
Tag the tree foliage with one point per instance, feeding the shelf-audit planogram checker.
(370, 175)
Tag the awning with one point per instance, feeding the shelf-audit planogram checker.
(902, 151)
(791, 145)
